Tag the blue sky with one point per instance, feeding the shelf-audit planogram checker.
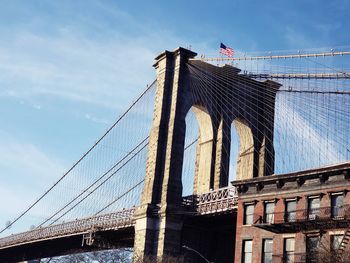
(69, 68)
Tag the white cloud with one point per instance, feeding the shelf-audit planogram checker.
(36, 106)
(75, 69)
(104, 69)
(86, 60)
(95, 119)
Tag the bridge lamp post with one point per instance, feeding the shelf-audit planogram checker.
(197, 252)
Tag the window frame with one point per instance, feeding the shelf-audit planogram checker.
(244, 242)
(287, 213)
(341, 213)
(313, 213)
(332, 241)
(287, 253)
(265, 252)
(311, 255)
(269, 218)
(245, 215)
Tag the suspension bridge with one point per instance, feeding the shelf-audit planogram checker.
(159, 178)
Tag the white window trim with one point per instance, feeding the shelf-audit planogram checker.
(291, 199)
(288, 235)
(270, 201)
(337, 193)
(336, 232)
(245, 214)
(314, 197)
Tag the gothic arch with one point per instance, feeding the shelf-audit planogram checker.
(245, 160)
(204, 151)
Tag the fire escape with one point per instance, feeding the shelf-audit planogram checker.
(306, 220)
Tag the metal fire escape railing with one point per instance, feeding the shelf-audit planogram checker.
(345, 240)
(121, 219)
(322, 213)
(291, 221)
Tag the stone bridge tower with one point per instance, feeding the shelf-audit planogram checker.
(159, 219)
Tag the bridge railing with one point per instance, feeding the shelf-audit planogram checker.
(215, 201)
(120, 219)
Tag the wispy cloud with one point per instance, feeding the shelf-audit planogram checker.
(26, 171)
(95, 119)
(80, 65)
(27, 158)
(74, 69)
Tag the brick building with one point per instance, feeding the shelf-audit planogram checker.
(296, 217)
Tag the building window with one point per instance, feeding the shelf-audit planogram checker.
(248, 214)
(247, 251)
(336, 241)
(291, 207)
(267, 251)
(312, 243)
(288, 250)
(269, 212)
(313, 208)
(337, 206)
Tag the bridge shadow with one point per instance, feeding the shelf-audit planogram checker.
(212, 236)
(66, 245)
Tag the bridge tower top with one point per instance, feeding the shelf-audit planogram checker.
(252, 118)
(177, 86)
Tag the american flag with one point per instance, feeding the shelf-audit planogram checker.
(226, 50)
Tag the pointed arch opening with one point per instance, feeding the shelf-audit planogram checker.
(197, 165)
(242, 151)
(234, 148)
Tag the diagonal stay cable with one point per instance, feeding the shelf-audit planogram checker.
(324, 65)
(100, 178)
(137, 184)
(104, 181)
(216, 77)
(83, 157)
(119, 197)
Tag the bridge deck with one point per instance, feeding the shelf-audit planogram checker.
(214, 202)
(120, 219)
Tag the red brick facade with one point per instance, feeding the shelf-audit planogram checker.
(322, 183)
